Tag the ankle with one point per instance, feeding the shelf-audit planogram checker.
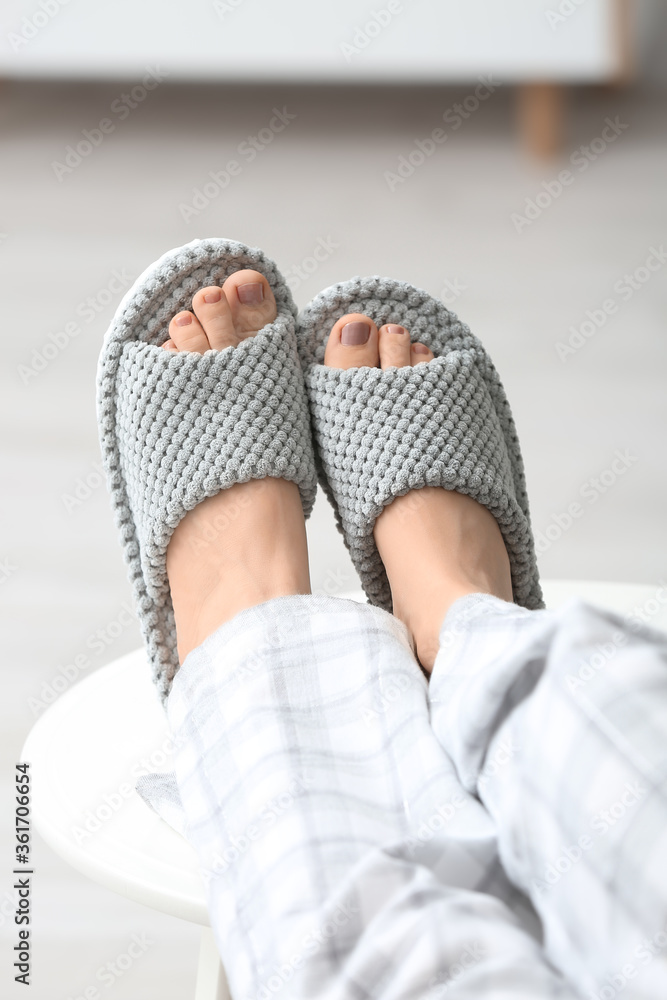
(238, 549)
(198, 615)
(423, 611)
(438, 546)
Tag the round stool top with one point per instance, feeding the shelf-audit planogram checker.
(89, 747)
(85, 754)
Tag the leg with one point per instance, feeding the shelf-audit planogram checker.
(211, 979)
(573, 773)
(557, 721)
(248, 543)
(541, 118)
(436, 545)
(340, 852)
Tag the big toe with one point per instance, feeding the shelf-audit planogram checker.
(223, 316)
(251, 302)
(353, 343)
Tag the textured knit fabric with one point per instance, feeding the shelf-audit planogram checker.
(379, 434)
(333, 798)
(176, 428)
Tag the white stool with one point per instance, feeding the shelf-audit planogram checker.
(87, 749)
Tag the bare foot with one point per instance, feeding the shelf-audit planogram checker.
(436, 545)
(223, 317)
(247, 544)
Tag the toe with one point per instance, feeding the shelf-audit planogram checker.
(215, 315)
(187, 334)
(169, 345)
(394, 346)
(419, 353)
(353, 343)
(251, 301)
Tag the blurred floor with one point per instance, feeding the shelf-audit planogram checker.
(321, 182)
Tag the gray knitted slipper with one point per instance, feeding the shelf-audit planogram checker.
(176, 428)
(379, 434)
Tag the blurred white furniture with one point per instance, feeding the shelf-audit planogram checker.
(436, 40)
(86, 750)
(534, 42)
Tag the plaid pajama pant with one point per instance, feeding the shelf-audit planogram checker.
(498, 832)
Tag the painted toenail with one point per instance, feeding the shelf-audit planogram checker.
(421, 349)
(184, 319)
(354, 334)
(393, 328)
(214, 295)
(251, 294)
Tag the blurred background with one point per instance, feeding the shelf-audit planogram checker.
(510, 156)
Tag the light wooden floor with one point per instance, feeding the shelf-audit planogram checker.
(322, 179)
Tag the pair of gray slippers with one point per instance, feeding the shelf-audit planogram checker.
(176, 428)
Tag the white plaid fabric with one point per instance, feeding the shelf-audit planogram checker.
(558, 722)
(355, 824)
